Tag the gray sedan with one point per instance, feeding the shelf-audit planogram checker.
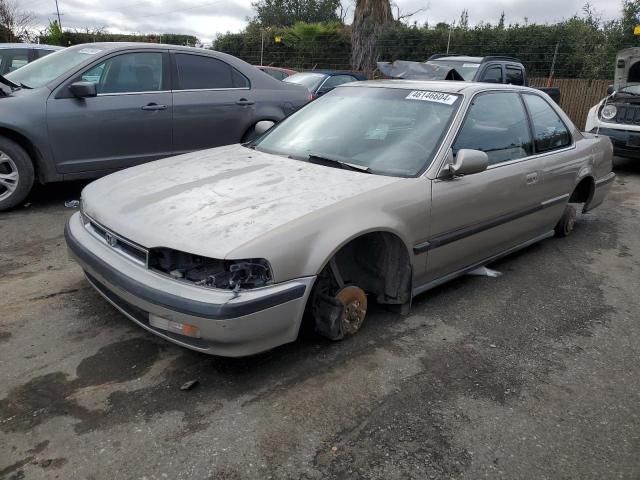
(92, 109)
(378, 191)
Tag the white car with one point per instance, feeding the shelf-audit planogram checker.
(618, 117)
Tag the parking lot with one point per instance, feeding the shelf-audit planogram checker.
(534, 374)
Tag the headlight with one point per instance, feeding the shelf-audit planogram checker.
(210, 272)
(608, 112)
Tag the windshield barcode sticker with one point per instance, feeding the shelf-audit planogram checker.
(438, 97)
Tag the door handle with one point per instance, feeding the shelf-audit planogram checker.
(532, 178)
(244, 101)
(154, 107)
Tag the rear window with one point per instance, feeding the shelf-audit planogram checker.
(309, 80)
(468, 70)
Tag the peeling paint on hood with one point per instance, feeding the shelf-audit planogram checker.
(213, 201)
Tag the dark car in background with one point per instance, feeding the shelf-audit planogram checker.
(91, 109)
(319, 82)
(278, 73)
(491, 69)
(16, 55)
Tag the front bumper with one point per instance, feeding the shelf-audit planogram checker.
(626, 143)
(251, 322)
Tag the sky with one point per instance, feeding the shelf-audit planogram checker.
(206, 19)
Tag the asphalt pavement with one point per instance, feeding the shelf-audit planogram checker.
(532, 375)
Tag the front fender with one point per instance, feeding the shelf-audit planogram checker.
(303, 247)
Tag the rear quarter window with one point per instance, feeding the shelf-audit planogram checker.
(549, 131)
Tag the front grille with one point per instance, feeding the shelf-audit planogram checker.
(628, 114)
(117, 242)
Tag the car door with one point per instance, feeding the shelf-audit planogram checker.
(213, 103)
(476, 217)
(127, 123)
(554, 144)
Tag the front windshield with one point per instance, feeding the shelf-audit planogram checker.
(39, 73)
(390, 131)
(466, 69)
(309, 80)
(633, 88)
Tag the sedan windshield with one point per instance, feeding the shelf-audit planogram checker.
(309, 80)
(44, 70)
(388, 131)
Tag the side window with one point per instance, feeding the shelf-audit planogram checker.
(515, 76)
(18, 61)
(493, 75)
(549, 130)
(41, 52)
(336, 80)
(127, 73)
(196, 72)
(13, 59)
(497, 124)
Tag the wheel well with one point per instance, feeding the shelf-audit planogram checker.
(583, 191)
(379, 263)
(25, 143)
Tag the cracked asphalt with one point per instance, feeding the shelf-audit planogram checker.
(532, 375)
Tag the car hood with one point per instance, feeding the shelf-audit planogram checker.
(213, 201)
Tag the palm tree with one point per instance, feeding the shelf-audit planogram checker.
(369, 19)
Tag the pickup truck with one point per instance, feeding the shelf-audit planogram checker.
(489, 69)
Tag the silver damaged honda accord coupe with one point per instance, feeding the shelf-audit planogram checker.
(378, 191)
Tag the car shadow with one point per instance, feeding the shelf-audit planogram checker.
(626, 165)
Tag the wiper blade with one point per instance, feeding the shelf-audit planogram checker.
(27, 87)
(8, 83)
(333, 162)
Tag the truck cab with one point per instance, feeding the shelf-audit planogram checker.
(490, 69)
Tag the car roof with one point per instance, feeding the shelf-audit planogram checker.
(336, 72)
(448, 86)
(459, 59)
(141, 45)
(35, 46)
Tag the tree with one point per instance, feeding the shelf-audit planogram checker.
(464, 20)
(370, 19)
(14, 23)
(285, 13)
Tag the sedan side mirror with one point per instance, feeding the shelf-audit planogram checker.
(83, 89)
(469, 162)
(609, 89)
(263, 126)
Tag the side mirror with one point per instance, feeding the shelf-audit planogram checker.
(83, 89)
(263, 126)
(469, 162)
(609, 89)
